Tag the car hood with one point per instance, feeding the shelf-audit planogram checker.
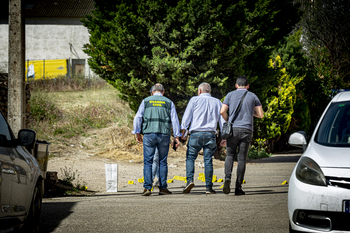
(329, 157)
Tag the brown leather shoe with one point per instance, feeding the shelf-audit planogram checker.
(164, 192)
(146, 192)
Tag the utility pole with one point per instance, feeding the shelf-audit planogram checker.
(16, 77)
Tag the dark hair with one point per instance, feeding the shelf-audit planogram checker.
(242, 81)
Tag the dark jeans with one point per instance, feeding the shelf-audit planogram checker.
(241, 139)
(197, 141)
(151, 143)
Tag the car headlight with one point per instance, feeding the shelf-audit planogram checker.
(309, 172)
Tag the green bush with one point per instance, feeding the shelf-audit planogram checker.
(258, 150)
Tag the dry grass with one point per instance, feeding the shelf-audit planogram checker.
(91, 122)
(122, 146)
(63, 84)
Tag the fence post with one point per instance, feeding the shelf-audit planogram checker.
(44, 68)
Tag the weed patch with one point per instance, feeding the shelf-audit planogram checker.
(56, 115)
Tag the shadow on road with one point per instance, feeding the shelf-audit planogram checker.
(53, 214)
(278, 159)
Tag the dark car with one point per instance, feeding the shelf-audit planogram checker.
(21, 180)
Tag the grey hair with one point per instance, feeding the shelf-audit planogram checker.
(157, 87)
(205, 87)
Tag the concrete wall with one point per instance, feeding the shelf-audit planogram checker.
(48, 38)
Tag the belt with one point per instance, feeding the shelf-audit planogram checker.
(213, 132)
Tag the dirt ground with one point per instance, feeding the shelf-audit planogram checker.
(87, 156)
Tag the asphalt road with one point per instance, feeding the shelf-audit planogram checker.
(262, 209)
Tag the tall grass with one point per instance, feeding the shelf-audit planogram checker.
(75, 83)
(60, 112)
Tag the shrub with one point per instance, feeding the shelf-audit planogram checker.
(258, 149)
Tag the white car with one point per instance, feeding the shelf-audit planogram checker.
(319, 187)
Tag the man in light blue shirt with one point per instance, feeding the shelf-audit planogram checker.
(154, 118)
(203, 113)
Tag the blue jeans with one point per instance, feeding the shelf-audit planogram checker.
(155, 165)
(151, 142)
(197, 141)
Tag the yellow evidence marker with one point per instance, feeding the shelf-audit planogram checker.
(170, 181)
(130, 182)
(284, 182)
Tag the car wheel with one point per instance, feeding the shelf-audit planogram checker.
(33, 218)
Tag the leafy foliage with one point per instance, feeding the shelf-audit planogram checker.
(259, 149)
(326, 25)
(180, 44)
(280, 103)
(294, 61)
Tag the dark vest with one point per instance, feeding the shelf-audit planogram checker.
(156, 116)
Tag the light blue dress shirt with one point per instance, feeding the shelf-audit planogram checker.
(174, 119)
(203, 112)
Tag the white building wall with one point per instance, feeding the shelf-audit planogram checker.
(4, 41)
(48, 38)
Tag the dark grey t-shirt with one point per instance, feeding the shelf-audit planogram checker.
(245, 116)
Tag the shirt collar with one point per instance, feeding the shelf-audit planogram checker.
(205, 94)
(241, 88)
(158, 93)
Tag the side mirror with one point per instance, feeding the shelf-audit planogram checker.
(26, 137)
(298, 139)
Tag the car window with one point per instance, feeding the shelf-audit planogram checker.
(6, 138)
(334, 129)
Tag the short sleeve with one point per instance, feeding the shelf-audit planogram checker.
(257, 101)
(227, 100)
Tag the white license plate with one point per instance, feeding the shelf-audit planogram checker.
(347, 206)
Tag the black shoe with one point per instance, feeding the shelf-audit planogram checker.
(188, 188)
(210, 191)
(227, 188)
(164, 192)
(146, 192)
(239, 191)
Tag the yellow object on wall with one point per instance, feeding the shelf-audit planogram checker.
(48, 69)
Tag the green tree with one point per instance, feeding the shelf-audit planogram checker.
(326, 35)
(180, 44)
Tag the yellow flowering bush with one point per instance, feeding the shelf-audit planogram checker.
(280, 102)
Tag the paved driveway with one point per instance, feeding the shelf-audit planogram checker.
(262, 209)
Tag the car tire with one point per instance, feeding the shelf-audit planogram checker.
(32, 221)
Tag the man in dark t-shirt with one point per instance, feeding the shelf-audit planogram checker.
(242, 130)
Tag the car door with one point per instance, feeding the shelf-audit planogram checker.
(7, 169)
(22, 187)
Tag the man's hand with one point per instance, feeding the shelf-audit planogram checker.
(183, 137)
(223, 143)
(139, 138)
(177, 142)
